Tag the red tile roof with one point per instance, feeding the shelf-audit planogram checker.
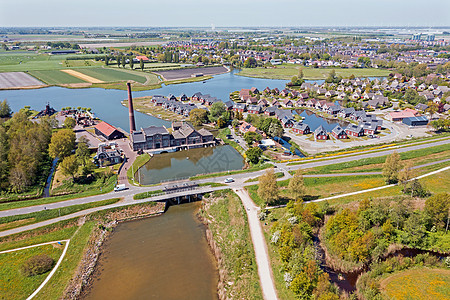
(105, 128)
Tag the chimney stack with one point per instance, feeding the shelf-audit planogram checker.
(130, 109)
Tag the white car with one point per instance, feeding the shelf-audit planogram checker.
(229, 180)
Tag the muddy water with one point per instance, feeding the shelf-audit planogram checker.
(165, 257)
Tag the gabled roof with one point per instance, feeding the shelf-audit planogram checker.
(105, 128)
(320, 130)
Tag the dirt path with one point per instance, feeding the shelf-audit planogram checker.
(82, 76)
(259, 244)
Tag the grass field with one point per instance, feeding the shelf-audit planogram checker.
(111, 75)
(55, 77)
(14, 285)
(286, 71)
(423, 283)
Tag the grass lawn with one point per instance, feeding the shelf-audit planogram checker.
(14, 285)
(286, 71)
(55, 77)
(138, 162)
(108, 74)
(35, 217)
(322, 187)
(423, 283)
(229, 226)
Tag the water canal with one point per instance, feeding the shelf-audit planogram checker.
(184, 164)
(165, 257)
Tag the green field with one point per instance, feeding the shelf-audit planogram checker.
(421, 283)
(286, 71)
(55, 77)
(14, 285)
(109, 75)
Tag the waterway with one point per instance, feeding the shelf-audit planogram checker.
(184, 164)
(314, 121)
(165, 257)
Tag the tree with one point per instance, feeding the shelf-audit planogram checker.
(69, 166)
(296, 185)
(275, 130)
(406, 174)
(5, 109)
(69, 123)
(437, 209)
(250, 137)
(131, 63)
(124, 61)
(391, 168)
(62, 143)
(267, 187)
(106, 60)
(216, 110)
(253, 154)
(198, 116)
(141, 64)
(82, 153)
(118, 61)
(221, 123)
(250, 63)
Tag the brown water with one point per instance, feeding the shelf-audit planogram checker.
(165, 257)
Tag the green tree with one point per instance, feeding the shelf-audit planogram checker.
(253, 154)
(268, 189)
(296, 185)
(251, 137)
(69, 166)
(198, 116)
(62, 143)
(141, 64)
(437, 209)
(124, 62)
(250, 63)
(406, 174)
(118, 61)
(131, 63)
(391, 168)
(5, 109)
(221, 123)
(106, 60)
(82, 153)
(69, 123)
(216, 110)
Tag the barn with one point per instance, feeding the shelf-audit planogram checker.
(416, 121)
(108, 131)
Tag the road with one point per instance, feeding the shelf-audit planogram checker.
(239, 179)
(259, 246)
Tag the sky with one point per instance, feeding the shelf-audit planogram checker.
(225, 13)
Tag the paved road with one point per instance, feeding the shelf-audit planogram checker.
(259, 245)
(239, 179)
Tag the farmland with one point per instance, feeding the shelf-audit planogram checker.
(111, 75)
(286, 71)
(55, 77)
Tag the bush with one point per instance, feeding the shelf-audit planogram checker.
(37, 265)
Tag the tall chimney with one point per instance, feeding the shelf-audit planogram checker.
(130, 109)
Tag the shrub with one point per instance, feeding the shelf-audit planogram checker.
(37, 265)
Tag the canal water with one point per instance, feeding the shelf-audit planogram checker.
(314, 121)
(184, 164)
(164, 257)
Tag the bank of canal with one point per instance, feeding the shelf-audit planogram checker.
(164, 257)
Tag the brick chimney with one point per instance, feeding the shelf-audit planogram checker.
(130, 109)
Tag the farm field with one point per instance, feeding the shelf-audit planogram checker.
(111, 75)
(17, 79)
(55, 77)
(421, 283)
(286, 71)
(13, 284)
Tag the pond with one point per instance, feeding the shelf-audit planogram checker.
(313, 120)
(164, 257)
(184, 164)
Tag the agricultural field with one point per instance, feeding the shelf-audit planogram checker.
(55, 77)
(286, 71)
(421, 283)
(17, 79)
(111, 75)
(14, 284)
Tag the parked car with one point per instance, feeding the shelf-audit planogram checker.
(229, 180)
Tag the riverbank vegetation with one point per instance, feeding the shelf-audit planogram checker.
(229, 237)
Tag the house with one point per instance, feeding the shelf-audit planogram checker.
(142, 57)
(270, 111)
(415, 121)
(333, 109)
(398, 116)
(421, 107)
(301, 128)
(287, 121)
(254, 90)
(108, 155)
(288, 103)
(254, 109)
(346, 112)
(252, 100)
(341, 96)
(330, 94)
(247, 127)
(339, 133)
(320, 104)
(320, 133)
(284, 93)
(354, 130)
(239, 107)
(356, 96)
(311, 103)
(183, 97)
(369, 128)
(244, 94)
(108, 131)
(275, 103)
(266, 90)
(378, 102)
(303, 96)
(197, 96)
(263, 102)
(172, 97)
